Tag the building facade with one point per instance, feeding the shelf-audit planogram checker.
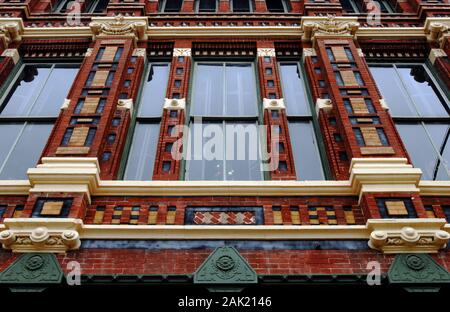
(123, 123)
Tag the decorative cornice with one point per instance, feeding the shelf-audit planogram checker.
(121, 26)
(11, 30)
(407, 235)
(314, 27)
(43, 235)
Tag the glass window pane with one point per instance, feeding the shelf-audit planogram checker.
(240, 90)
(308, 164)
(9, 133)
(208, 90)
(422, 90)
(440, 136)
(142, 153)
(27, 151)
(275, 5)
(242, 152)
(393, 91)
(241, 5)
(173, 5)
(25, 91)
(417, 141)
(294, 92)
(207, 5)
(54, 91)
(154, 91)
(206, 152)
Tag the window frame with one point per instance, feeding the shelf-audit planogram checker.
(443, 95)
(312, 118)
(142, 119)
(190, 118)
(27, 120)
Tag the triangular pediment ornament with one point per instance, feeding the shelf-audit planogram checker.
(33, 268)
(418, 270)
(225, 266)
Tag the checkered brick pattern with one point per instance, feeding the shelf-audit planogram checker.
(222, 217)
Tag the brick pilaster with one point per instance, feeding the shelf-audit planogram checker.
(166, 167)
(268, 71)
(356, 115)
(95, 121)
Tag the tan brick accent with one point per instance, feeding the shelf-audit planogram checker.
(98, 218)
(72, 150)
(339, 54)
(378, 150)
(170, 217)
(90, 105)
(78, 137)
(100, 78)
(349, 78)
(295, 217)
(52, 208)
(277, 218)
(359, 106)
(109, 54)
(152, 215)
(371, 136)
(396, 208)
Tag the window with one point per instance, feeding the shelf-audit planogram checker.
(356, 6)
(170, 5)
(420, 110)
(308, 164)
(28, 110)
(242, 5)
(142, 152)
(278, 6)
(224, 136)
(94, 6)
(206, 6)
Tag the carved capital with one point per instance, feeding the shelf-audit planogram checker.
(11, 30)
(266, 52)
(407, 235)
(437, 30)
(12, 53)
(314, 27)
(273, 104)
(174, 104)
(41, 234)
(125, 104)
(181, 52)
(120, 26)
(324, 104)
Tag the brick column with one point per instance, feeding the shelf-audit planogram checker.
(166, 167)
(274, 112)
(352, 116)
(224, 6)
(95, 119)
(260, 6)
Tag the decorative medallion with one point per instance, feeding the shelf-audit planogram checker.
(225, 266)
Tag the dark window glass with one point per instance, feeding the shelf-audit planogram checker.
(171, 5)
(275, 5)
(241, 6)
(207, 5)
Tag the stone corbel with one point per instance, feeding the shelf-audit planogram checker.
(120, 26)
(66, 175)
(174, 104)
(384, 104)
(435, 53)
(11, 30)
(273, 104)
(407, 235)
(41, 234)
(13, 54)
(263, 52)
(308, 52)
(379, 175)
(182, 52)
(65, 104)
(330, 26)
(324, 104)
(125, 104)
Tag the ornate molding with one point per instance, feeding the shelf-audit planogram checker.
(266, 52)
(437, 29)
(41, 234)
(174, 104)
(181, 52)
(328, 26)
(120, 26)
(407, 235)
(11, 30)
(273, 104)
